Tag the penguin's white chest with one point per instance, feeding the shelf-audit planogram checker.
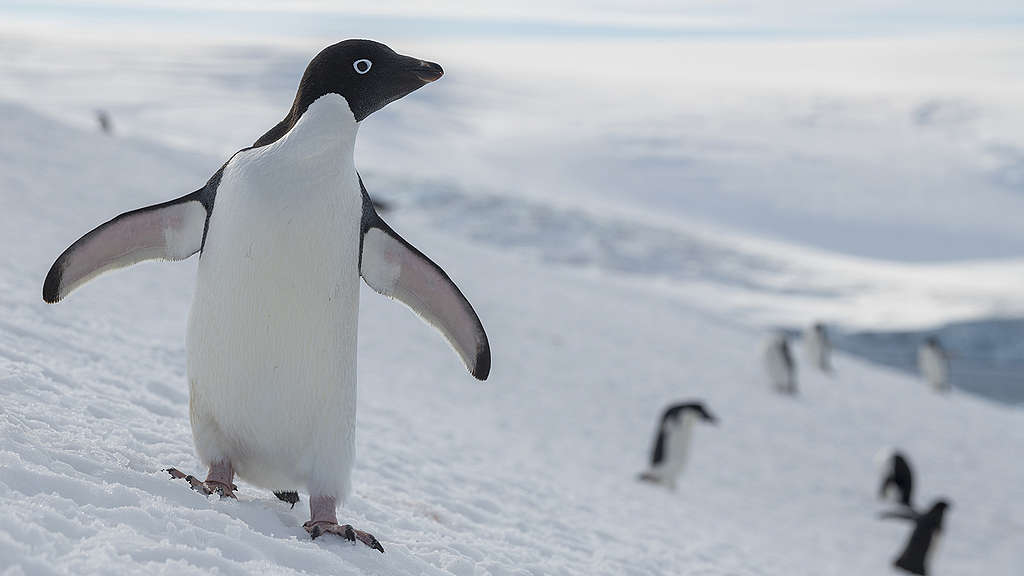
(934, 367)
(678, 445)
(272, 333)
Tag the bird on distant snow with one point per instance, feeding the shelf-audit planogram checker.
(818, 347)
(779, 364)
(924, 539)
(897, 477)
(933, 362)
(672, 442)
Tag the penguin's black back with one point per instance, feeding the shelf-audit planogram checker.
(787, 355)
(671, 413)
(916, 551)
(900, 476)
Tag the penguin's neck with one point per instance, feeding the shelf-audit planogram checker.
(326, 131)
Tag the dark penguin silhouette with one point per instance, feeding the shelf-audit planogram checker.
(818, 347)
(916, 556)
(897, 475)
(106, 124)
(778, 362)
(672, 443)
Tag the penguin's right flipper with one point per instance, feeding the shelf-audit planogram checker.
(396, 269)
(169, 231)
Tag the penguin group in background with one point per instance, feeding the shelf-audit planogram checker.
(779, 364)
(924, 539)
(818, 347)
(933, 362)
(897, 478)
(286, 229)
(672, 442)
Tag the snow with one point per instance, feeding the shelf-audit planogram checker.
(858, 145)
(531, 472)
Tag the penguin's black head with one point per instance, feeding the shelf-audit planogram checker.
(676, 411)
(705, 415)
(367, 74)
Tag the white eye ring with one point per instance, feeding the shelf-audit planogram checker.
(359, 70)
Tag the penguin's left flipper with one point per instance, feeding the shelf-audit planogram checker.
(169, 231)
(395, 268)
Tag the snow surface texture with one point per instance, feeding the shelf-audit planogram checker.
(531, 472)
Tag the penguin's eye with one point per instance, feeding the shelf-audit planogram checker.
(362, 65)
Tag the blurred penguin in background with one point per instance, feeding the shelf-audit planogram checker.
(672, 443)
(106, 124)
(933, 362)
(818, 348)
(778, 361)
(916, 556)
(897, 477)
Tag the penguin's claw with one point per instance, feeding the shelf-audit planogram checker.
(205, 488)
(346, 531)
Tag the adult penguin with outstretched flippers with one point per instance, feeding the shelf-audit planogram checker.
(672, 442)
(917, 554)
(933, 363)
(818, 347)
(897, 477)
(779, 363)
(286, 228)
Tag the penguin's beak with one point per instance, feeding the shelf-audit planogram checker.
(427, 72)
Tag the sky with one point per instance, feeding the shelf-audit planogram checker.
(562, 18)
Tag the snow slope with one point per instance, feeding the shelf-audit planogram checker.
(886, 147)
(530, 472)
(875, 150)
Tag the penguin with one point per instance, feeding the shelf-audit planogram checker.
(818, 347)
(916, 555)
(778, 362)
(672, 443)
(896, 474)
(933, 362)
(105, 122)
(285, 229)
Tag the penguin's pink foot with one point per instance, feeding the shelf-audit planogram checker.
(346, 531)
(218, 481)
(324, 520)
